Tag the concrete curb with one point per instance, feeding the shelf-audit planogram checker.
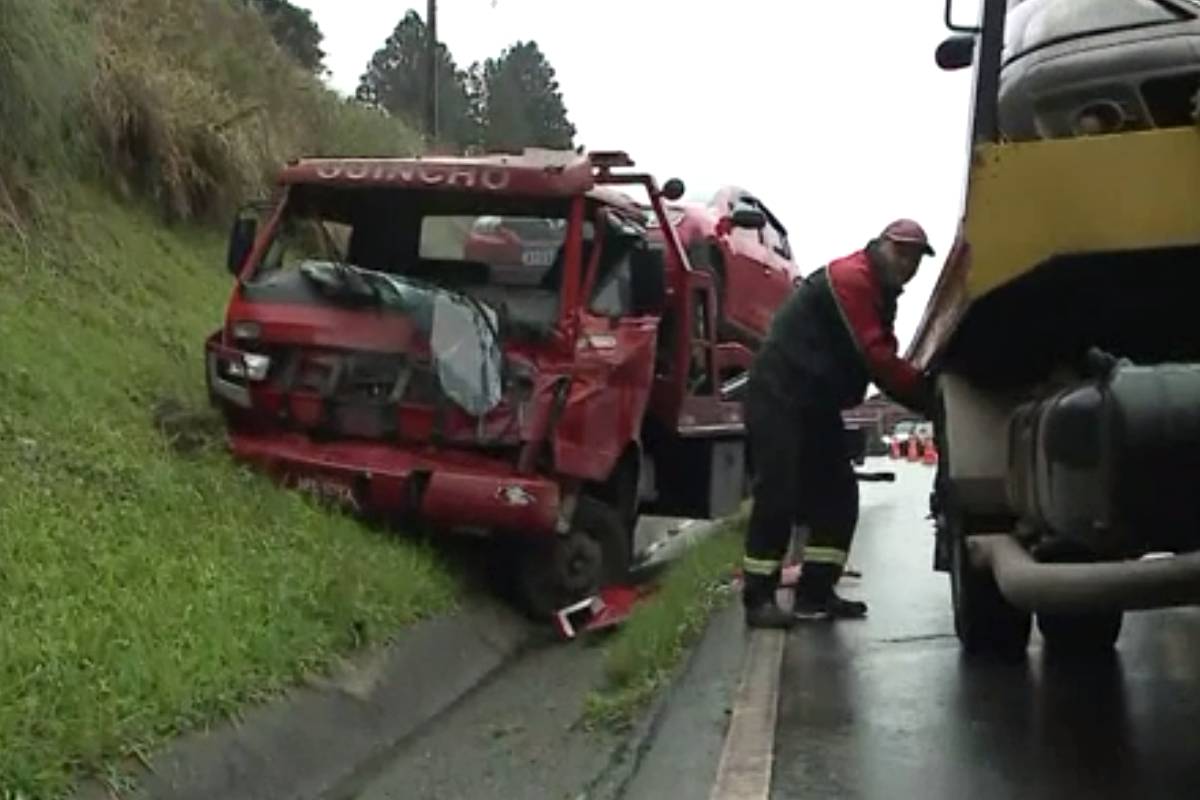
(315, 737)
(615, 778)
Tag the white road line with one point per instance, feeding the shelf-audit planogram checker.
(748, 756)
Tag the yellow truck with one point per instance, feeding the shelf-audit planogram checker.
(1063, 328)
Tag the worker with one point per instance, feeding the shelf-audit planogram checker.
(827, 342)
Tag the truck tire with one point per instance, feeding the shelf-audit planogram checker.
(1083, 634)
(574, 566)
(986, 624)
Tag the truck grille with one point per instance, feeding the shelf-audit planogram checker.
(359, 395)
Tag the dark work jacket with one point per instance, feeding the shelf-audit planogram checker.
(831, 338)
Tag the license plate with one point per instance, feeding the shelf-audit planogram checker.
(329, 491)
(537, 258)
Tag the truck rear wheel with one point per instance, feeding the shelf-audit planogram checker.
(986, 623)
(1081, 634)
(574, 566)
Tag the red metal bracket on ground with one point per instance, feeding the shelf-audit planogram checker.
(609, 608)
(614, 604)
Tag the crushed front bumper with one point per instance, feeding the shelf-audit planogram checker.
(449, 489)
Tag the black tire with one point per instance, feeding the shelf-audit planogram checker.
(986, 623)
(620, 493)
(1081, 634)
(569, 568)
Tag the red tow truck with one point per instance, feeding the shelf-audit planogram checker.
(389, 344)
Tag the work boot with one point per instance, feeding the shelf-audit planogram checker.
(768, 615)
(827, 606)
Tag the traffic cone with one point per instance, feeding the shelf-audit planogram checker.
(895, 449)
(913, 453)
(931, 454)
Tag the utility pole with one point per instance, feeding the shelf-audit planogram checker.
(431, 71)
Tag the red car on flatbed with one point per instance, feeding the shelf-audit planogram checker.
(736, 239)
(378, 351)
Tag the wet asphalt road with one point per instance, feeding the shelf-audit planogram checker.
(887, 708)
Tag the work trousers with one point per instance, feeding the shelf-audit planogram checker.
(802, 476)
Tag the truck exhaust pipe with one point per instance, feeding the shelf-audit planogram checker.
(1083, 588)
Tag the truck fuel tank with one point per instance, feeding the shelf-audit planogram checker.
(1112, 464)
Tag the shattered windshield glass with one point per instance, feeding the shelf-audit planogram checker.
(463, 339)
(467, 353)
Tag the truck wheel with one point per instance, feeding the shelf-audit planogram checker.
(572, 567)
(985, 622)
(1067, 634)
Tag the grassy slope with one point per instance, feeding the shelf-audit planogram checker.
(142, 592)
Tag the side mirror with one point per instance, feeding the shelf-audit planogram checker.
(956, 52)
(241, 241)
(648, 280)
(673, 189)
(747, 217)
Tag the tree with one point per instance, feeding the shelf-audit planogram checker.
(295, 31)
(395, 80)
(476, 83)
(522, 102)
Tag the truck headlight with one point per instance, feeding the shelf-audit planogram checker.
(249, 367)
(257, 366)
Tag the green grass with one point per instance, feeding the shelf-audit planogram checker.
(143, 592)
(644, 653)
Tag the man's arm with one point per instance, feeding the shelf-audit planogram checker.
(856, 299)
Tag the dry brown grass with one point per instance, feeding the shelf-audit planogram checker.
(186, 102)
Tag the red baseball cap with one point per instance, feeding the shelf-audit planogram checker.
(907, 231)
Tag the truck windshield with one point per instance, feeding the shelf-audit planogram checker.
(1033, 24)
(503, 253)
(462, 268)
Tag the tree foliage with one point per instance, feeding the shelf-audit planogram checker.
(295, 31)
(508, 102)
(396, 81)
(524, 106)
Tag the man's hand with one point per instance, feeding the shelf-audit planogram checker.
(926, 401)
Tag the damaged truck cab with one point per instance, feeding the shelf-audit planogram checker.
(491, 345)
